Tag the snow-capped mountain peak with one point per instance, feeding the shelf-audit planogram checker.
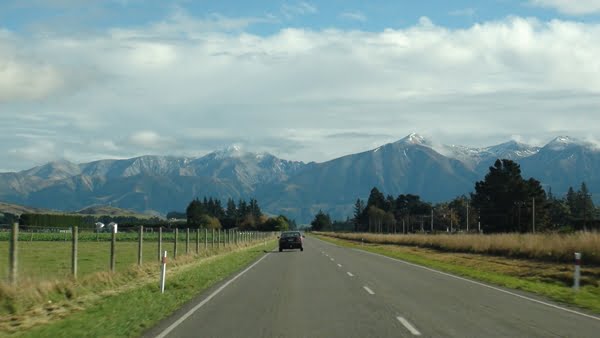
(234, 150)
(563, 142)
(416, 139)
(512, 150)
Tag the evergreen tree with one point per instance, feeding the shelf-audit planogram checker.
(585, 205)
(503, 194)
(255, 209)
(321, 222)
(376, 199)
(571, 200)
(358, 219)
(194, 212)
(242, 209)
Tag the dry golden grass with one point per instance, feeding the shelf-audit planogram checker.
(546, 247)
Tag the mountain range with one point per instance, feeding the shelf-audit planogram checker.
(413, 164)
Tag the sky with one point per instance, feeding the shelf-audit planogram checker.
(303, 80)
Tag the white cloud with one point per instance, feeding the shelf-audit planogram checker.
(301, 8)
(23, 76)
(187, 86)
(355, 16)
(146, 139)
(37, 152)
(570, 7)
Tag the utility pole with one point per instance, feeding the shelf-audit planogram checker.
(533, 215)
(467, 216)
(431, 220)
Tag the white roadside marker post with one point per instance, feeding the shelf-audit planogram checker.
(577, 271)
(163, 272)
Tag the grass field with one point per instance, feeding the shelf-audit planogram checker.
(48, 255)
(546, 247)
(552, 280)
(118, 305)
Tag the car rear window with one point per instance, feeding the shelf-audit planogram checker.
(290, 234)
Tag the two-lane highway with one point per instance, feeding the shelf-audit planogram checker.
(330, 291)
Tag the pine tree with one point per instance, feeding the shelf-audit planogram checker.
(502, 194)
(376, 199)
(572, 202)
(585, 204)
(359, 208)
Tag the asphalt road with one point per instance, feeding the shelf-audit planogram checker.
(330, 291)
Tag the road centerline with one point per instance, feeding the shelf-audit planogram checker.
(408, 326)
(368, 290)
(350, 274)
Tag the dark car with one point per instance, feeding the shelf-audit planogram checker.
(291, 240)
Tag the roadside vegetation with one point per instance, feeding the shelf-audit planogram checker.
(546, 247)
(130, 298)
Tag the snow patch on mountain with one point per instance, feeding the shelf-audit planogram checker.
(561, 143)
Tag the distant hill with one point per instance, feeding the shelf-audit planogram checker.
(19, 209)
(91, 211)
(112, 211)
(159, 184)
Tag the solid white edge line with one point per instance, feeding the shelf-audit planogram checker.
(206, 300)
(408, 326)
(484, 285)
(368, 290)
(350, 274)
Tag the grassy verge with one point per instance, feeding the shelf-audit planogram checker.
(126, 304)
(543, 278)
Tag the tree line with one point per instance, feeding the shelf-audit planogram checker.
(210, 213)
(8, 218)
(502, 202)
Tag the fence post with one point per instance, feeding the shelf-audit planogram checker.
(159, 244)
(175, 245)
(213, 238)
(75, 231)
(163, 272)
(577, 271)
(187, 241)
(12, 255)
(113, 242)
(205, 239)
(140, 244)
(197, 241)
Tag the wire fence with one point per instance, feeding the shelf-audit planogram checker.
(37, 253)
